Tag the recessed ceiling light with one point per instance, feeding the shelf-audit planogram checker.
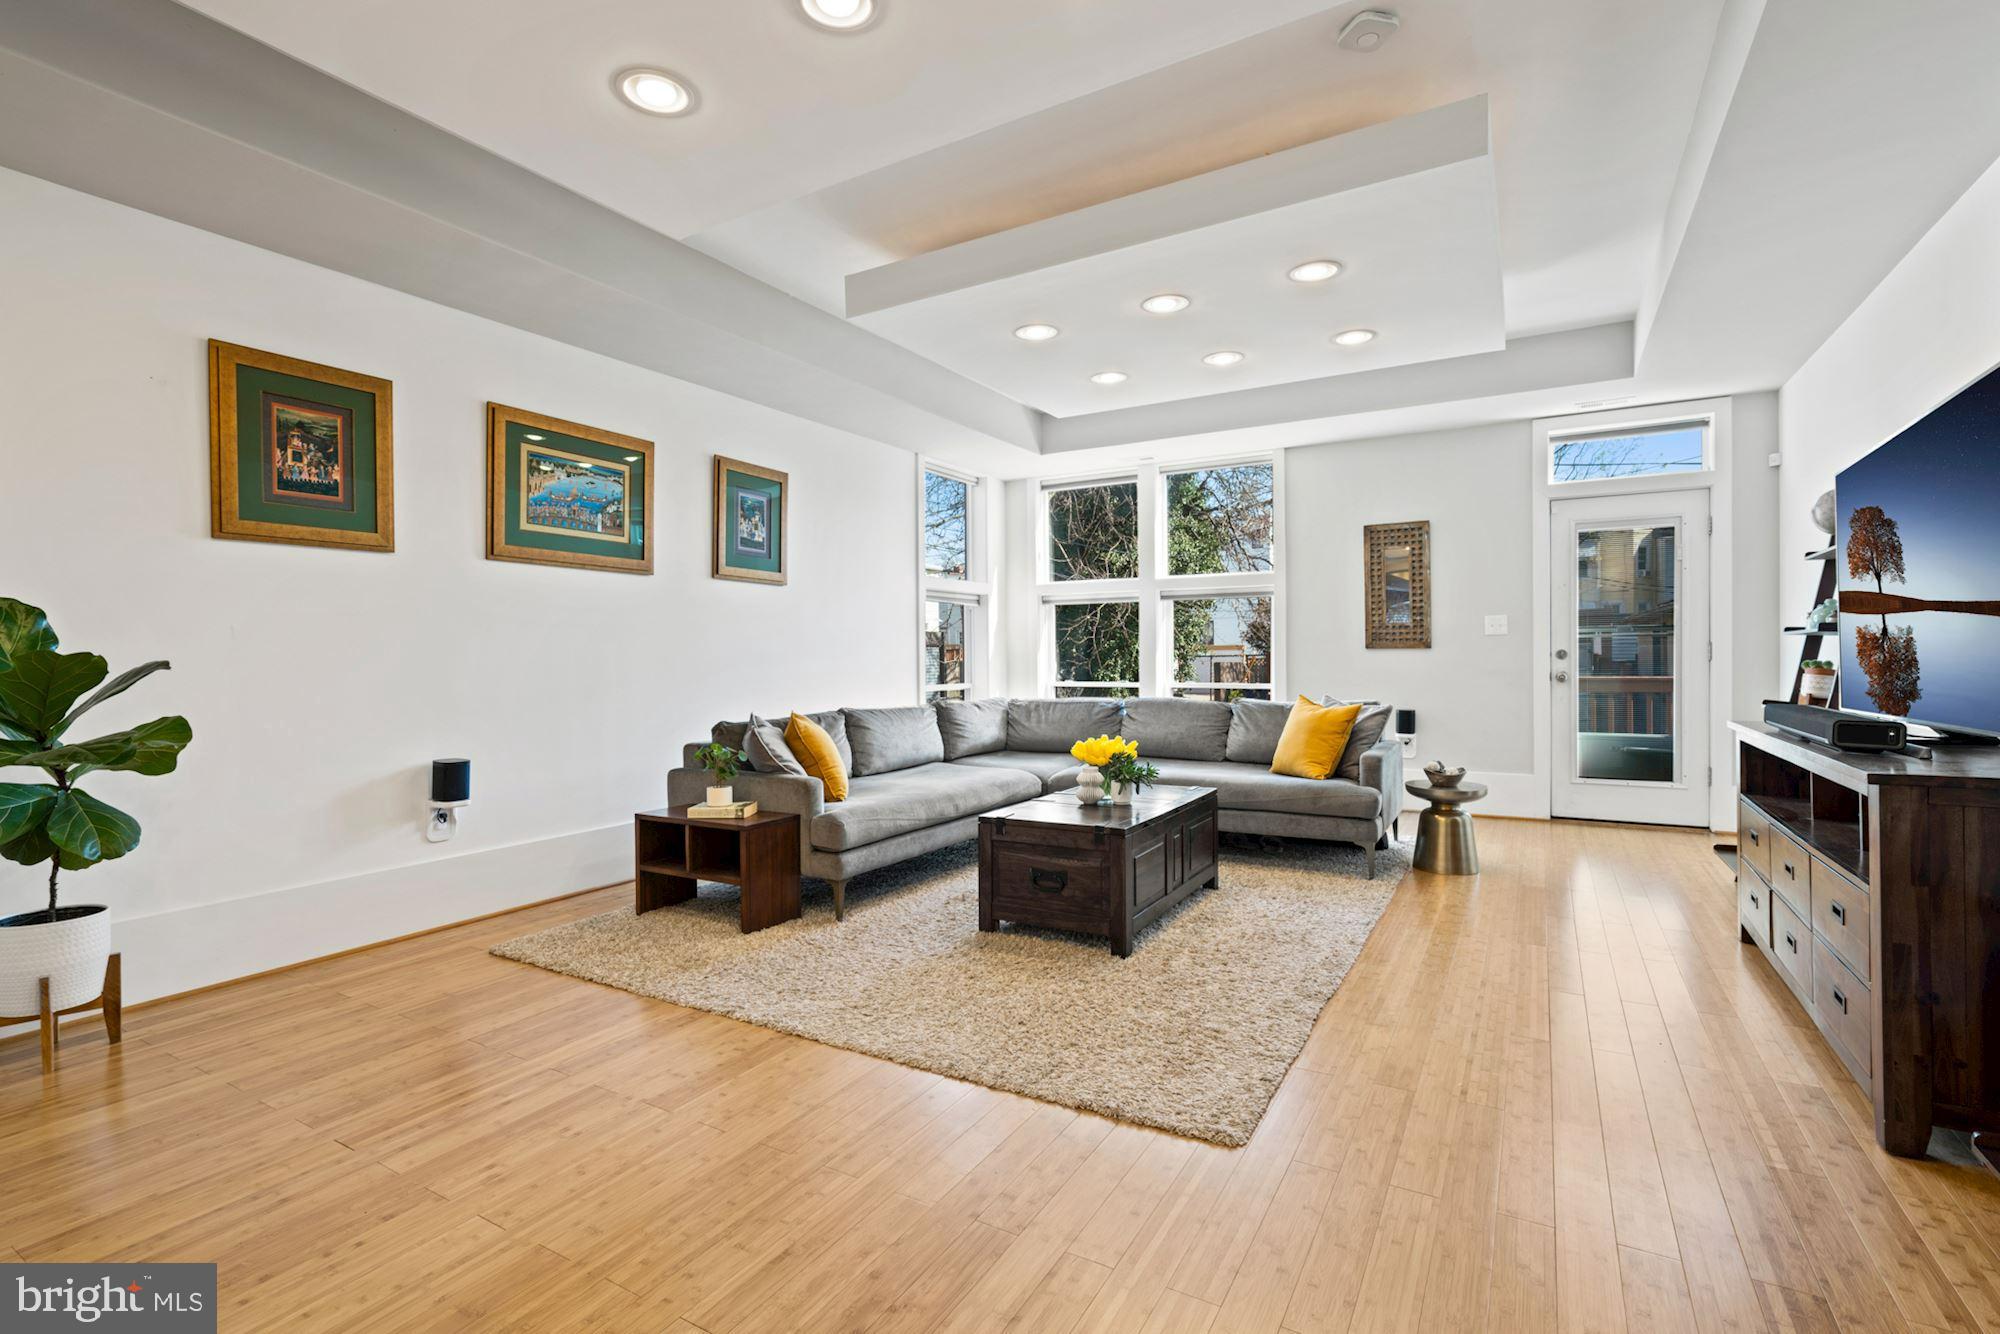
(655, 92)
(1354, 337)
(1314, 271)
(840, 15)
(1036, 333)
(530, 437)
(1166, 303)
(1222, 358)
(1108, 377)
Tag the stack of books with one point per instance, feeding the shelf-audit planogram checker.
(735, 810)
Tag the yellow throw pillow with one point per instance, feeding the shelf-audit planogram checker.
(821, 758)
(1314, 737)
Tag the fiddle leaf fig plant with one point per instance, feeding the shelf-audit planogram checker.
(43, 692)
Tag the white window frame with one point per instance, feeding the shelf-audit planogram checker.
(974, 592)
(1153, 589)
(1550, 434)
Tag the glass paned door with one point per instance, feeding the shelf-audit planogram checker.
(1629, 659)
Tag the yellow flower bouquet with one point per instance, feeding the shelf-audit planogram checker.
(1103, 755)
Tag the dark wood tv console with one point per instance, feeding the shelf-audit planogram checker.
(1871, 883)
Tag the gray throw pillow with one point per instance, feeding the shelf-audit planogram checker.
(1255, 725)
(729, 734)
(972, 726)
(1368, 728)
(1178, 729)
(890, 739)
(737, 735)
(768, 750)
(1054, 725)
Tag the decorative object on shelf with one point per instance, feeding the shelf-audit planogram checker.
(451, 788)
(559, 493)
(1823, 513)
(1445, 844)
(751, 529)
(1126, 773)
(1825, 616)
(58, 960)
(299, 452)
(1397, 591)
(724, 763)
(1816, 680)
(1097, 752)
(1440, 776)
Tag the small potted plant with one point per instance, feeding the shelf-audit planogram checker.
(1096, 752)
(724, 763)
(54, 823)
(1127, 773)
(1816, 680)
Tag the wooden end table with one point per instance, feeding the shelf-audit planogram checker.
(759, 855)
(1104, 870)
(1444, 830)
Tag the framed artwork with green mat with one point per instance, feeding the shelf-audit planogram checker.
(299, 452)
(752, 508)
(560, 493)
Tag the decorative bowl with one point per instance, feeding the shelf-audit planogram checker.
(1441, 776)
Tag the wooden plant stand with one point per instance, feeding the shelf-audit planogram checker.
(111, 1000)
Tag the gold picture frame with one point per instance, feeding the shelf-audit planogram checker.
(750, 522)
(593, 511)
(299, 452)
(1396, 594)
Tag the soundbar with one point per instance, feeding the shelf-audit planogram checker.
(1831, 727)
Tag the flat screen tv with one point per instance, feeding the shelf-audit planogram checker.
(1918, 555)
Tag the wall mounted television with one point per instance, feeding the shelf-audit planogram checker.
(1918, 555)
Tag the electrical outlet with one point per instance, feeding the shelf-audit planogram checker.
(1496, 625)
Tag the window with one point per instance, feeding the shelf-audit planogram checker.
(1094, 531)
(944, 649)
(1222, 647)
(947, 503)
(953, 598)
(1097, 649)
(1652, 451)
(1183, 572)
(1219, 520)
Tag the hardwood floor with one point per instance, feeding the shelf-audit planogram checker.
(1559, 1096)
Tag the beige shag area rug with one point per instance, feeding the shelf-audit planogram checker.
(1191, 1034)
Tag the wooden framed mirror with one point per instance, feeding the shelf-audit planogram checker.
(1397, 596)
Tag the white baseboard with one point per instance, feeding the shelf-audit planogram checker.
(1523, 796)
(184, 948)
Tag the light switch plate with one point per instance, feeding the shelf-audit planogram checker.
(1496, 625)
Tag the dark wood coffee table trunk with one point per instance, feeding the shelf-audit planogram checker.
(1102, 870)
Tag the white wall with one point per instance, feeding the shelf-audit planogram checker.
(1471, 691)
(1928, 329)
(321, 682)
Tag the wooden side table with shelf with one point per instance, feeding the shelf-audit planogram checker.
(759, 855)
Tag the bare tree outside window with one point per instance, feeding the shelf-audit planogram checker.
(1094, 532)
(1219, 520)
(1097, 649)
(945, 534)
(1650, 453)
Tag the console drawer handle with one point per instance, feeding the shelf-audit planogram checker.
(1049, 882)
(1839, 913)
(1790, 874)
(1840, 999)
(1792, 941)
(1754, 838)
(1754, 902)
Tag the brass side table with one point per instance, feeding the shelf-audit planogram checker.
(1444, 829)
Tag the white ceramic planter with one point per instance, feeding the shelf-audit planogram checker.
(1121, 794)
(721, 796)
(1089, 786)
(1817, 686)
(69, 952)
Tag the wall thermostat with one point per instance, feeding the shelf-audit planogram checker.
(1367, 30)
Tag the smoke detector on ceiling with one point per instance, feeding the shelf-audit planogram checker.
(1367, 30)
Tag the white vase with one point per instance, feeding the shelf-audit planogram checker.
(1121, 794)
(1089, 786)
(69, 951)
(721, 796)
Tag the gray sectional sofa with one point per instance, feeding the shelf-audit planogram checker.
(920, 777)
